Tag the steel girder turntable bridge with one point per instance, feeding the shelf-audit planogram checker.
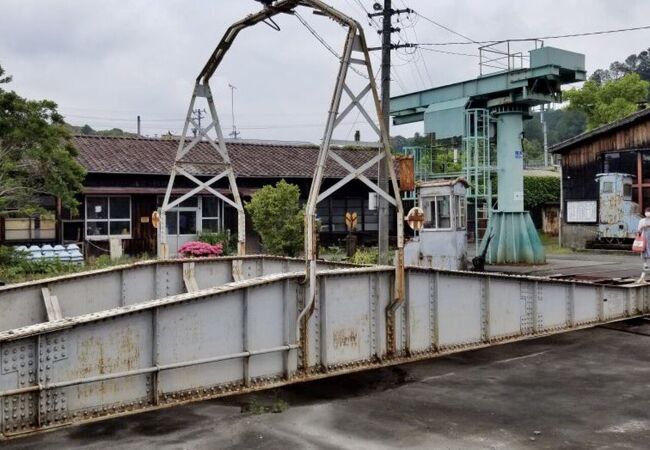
(150, 335)
(155, 334)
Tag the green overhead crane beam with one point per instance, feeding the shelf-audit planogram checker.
(539, 84)
(507, 97)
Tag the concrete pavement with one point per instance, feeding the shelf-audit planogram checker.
(582, 390)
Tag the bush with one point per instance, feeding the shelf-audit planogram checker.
(365, 256)
(196, 248)
(540, 190)
(278, 218)
(14, 266)
(227, 240)
(9, 256)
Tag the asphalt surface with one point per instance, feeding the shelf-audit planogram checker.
(582, 390)
(585, 265)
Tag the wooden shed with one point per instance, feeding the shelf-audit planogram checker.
(619, 147)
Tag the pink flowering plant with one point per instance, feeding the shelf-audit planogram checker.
(196, 248)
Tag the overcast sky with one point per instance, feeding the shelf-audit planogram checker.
(105, 62)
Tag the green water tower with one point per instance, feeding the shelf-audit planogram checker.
(506, 96)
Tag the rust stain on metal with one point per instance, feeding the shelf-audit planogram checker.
(91, 352)
(406, 173)
(610, 209)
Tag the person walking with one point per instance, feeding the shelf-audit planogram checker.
(644, 229)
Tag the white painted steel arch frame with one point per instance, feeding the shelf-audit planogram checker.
(202, 89)
(355, 42)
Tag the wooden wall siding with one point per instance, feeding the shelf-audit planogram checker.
(636, 136)
(582, 162)
(579, 172)
(142, 206)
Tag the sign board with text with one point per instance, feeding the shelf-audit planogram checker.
(583, 211)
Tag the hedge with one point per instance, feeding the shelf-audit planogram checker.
(540, 190)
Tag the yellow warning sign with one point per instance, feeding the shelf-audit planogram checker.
(351, 220)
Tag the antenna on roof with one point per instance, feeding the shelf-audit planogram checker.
(234, 133)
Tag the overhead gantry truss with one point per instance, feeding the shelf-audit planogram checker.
(354, 57)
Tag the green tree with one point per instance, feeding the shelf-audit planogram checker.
(609, 101)
(87, 129)
(635, 63)
(113, 132)
(278, 218)
(533, 152)
(443, 161)
(36, 155)
(561, 124)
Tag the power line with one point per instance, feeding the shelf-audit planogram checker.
(426, 68)
(541, 38)
(261, 127)
(444, 27)
(399, 80)
(414, 58)
(445, 52)
(116, 119)
(373, 24)
(417, 54)
(371, 20)
(324, 42)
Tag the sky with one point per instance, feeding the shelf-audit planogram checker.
(105, 62)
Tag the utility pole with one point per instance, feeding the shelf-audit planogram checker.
(386, 46)
(199, 114)
(545, 130)
(234, 133)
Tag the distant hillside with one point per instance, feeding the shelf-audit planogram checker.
(88, 130)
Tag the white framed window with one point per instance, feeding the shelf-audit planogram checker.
(461, 212)
(182, 220)
(195, 215)
(108, 217)
(437, 212)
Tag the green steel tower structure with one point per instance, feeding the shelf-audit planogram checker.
(507, 95)
(478, 167)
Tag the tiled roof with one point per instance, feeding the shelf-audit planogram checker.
(146, 156)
